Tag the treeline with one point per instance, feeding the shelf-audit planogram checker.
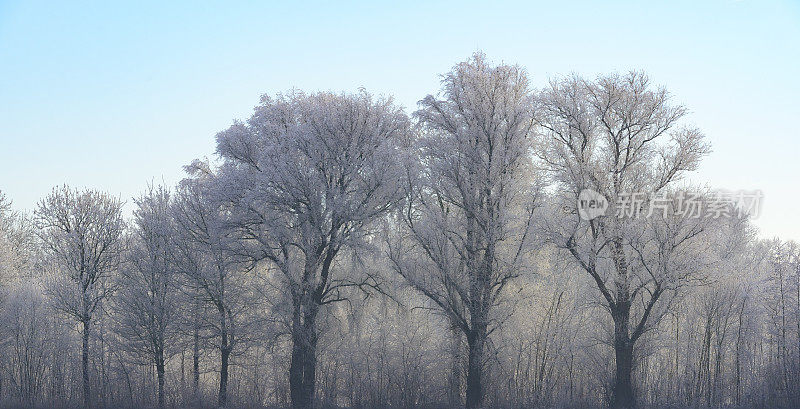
(338, 252)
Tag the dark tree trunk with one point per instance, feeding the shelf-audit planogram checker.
(225, 352)
(303, 365)
(623, 397)
(310, 372)
(623, 389)
(475, 341)
(222, 400)
(296, 374)
(87, 396)
(196, 364)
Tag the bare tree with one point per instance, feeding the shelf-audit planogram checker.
(147, 300)
(82, 232)
(305, 177)
(205, 255)
(470, 202)
(380, 262)
(782, 302)
(18, 251)
(27, 341)
(606, 135)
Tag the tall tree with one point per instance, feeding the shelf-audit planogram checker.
(147, 300)
(782, 302)
(82, 232)
(470, 201)
(205, 255)
(607, 135)
(305, 177)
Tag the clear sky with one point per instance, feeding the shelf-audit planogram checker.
(113, 96)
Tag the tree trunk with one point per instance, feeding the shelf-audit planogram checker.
(296, 374)
(196, 364)
(623, 388)
(475, 342)
(457, 369)
(160, 374)
(310, 372)
(183, 370)
(303, 365)
(222, 400)
(622, 397)
(225, 352)
(87, 396)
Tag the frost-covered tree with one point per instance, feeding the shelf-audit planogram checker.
(617, 136)
(470, 202)
(385, 263)
(782, 308)
(146, 304)
(27, 340)
(82, 232)
(17, 243)
(205, 256)
(305, 177)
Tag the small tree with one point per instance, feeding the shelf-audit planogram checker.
(25, 320)
(18, 245)
(82, 232)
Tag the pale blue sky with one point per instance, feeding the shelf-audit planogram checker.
(110, 96)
